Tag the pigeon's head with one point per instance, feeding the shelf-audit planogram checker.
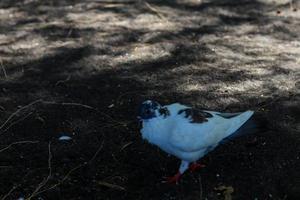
(148, 110)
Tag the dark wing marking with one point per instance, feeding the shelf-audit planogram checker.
(196, 116)
(228, 115)
(164, 111)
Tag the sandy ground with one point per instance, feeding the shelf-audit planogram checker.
(81, 68)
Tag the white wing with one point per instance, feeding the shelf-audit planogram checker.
(193, 137)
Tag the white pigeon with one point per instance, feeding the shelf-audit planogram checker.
(187, 133)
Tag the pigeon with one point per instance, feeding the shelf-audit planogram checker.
(187, 133)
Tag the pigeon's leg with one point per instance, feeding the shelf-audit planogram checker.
(183, 167)
(195, 166)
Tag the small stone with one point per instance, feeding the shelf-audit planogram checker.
(64, 137)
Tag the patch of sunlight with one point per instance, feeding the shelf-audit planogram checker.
(271, 43)
(28, 44)
(195, 87)
(292, 66)
(226, 101)
(229, 55)
(22, 48)
(260, 47)
(273, 84)
(190, 83)
(149, 22)
(93, 20)
(275, 2)
(245, 29)
(11, 14)
(112, 20)
(243, 86)
(146, 52)
(289, 49)
(260, 70)
(12, 37)
(284, 83)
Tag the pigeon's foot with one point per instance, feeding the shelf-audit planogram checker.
(196, 166)
(173, 179)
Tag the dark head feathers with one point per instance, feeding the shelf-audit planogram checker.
(147, 109)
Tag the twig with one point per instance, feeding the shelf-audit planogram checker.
(68, 104)
(9, 192)
(88, 107)
(112, 119)
(200, 186)
(3, 68)
(55, 103)
(63, 81)
(70, 32)
(95, 155)
(85, 106)
(3, 130)
(15, 122)
(14, 187)
(17, 111)
(71, 171)
(113, 5)
(20, 142)
(109, 185)
(2, 166)
(33, 103)
(62, 180)
(155, 10)
(45, 181)
(126, 145)
(118, 123)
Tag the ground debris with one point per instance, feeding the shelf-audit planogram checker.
(226, 191)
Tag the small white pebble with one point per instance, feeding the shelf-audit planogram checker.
(20, 198)
(64, 138)
(217, 175)
(270, 195)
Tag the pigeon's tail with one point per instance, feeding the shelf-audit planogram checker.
(237, 121)
(252, 124)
